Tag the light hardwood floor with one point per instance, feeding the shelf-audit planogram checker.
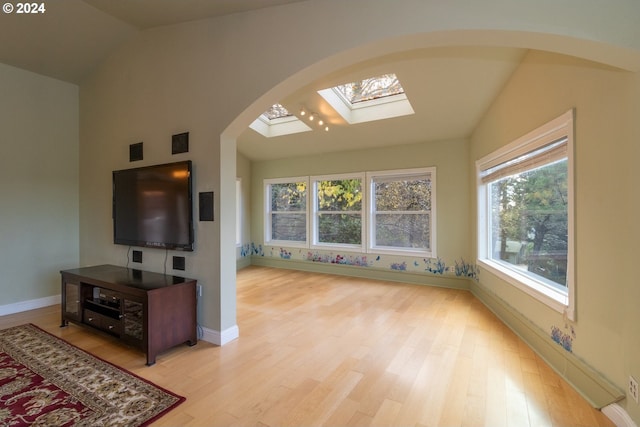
(320, 349)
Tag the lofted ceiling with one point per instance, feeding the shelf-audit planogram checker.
(71, 37)
(449, 88)
(154, 13)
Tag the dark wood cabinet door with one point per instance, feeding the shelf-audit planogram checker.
(72, 306)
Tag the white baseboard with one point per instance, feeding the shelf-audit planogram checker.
(618, 415)
(209, 335)
(220, 338)
(21, 306)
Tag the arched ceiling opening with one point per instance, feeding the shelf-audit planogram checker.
(450, 78)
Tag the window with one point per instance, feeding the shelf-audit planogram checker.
(525, 213)
(393, 214)
(278, 121)
(286, 219)
(369, 99)
(402, 203)
(338, 207)
(370, 89)
(277, 111)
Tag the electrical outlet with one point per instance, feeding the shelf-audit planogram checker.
(633, 388)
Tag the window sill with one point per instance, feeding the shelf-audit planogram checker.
(352, 248)
(401, 252)
(553, 298)
(287, 244)
(338, 247)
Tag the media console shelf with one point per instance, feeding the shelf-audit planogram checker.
(150, 311)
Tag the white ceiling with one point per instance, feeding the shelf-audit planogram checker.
(449, 88)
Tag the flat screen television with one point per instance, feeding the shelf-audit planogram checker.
(152, 206)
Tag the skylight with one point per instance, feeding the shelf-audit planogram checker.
(278, 121)
(372, 88)
(277, 111)
(374, 98)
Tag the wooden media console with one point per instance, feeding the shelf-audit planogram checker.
(149, 311)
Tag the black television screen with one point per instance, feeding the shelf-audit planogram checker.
(152, 206)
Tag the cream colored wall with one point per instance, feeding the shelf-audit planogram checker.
(605, 99)
(452, 183)
(243, 171)
(628, 300)
(156, 86)
(38, 184)
(213, 77)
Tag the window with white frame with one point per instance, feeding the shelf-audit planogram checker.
(338, 211)
(374, 98)
(525, 213)
(286, 211)
(401, 212)
(394, 214)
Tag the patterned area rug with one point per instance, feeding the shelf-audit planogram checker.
(45, 381)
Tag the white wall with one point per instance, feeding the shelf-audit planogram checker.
(38, 185)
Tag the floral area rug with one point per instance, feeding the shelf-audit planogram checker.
(45, 381)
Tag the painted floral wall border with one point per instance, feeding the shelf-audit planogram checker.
(564, 338)
(459, 267)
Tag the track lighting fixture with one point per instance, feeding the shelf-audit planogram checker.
(314, 117)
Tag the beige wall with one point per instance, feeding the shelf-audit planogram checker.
(243, 171)
(452, 184)
(545, 86)
(627, 301)
(38, 184)
(214, 77)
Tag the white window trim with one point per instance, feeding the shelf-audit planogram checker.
(314, 216)
(371, 248)
(278, 127)
(366, 111)
(367, 213)
(267, 209)
(560, 127)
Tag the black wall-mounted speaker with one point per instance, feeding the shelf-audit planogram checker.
(180, 143)
(135, 152)
(206, 206)
(178, 263)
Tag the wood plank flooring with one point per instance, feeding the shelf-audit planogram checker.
(319, 349)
